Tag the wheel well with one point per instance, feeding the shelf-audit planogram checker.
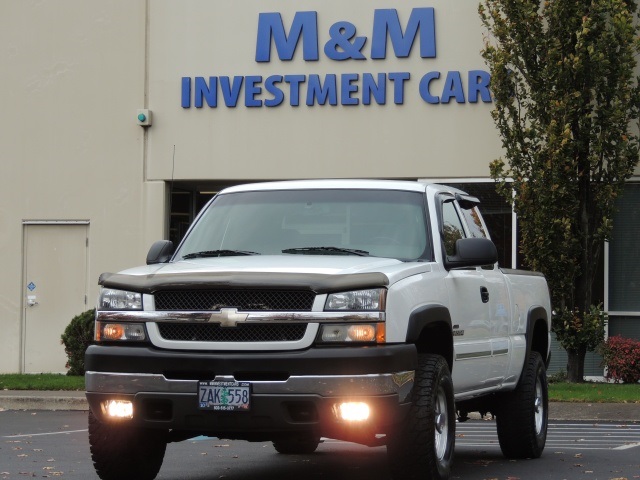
(437, 338)
(540, 338)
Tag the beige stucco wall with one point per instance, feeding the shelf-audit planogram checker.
(72, 75)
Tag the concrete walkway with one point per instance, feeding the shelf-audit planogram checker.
(66, 400)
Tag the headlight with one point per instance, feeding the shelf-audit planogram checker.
(118, 332)
(111, 299)
(353, 332)
(361, 300)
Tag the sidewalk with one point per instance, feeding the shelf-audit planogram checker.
(65, 400)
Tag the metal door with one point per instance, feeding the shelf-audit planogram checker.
(55, 288)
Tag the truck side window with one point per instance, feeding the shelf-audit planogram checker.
(452, 228)
(472, 217)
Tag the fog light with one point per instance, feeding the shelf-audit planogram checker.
(118, 408)
(353, 411)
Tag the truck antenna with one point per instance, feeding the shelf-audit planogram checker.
(173, 169)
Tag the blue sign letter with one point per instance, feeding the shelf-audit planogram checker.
(453, 88)
(294, 82)
(386, 22)
(251, 90)
(316, 91)
(479, 84)
(271, 87)
(231, 91)
(186, 92)
(270, 27)
(425, 85)
(208, 92)
(398, 79)
(371, 89)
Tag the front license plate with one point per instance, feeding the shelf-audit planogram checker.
(224, 396)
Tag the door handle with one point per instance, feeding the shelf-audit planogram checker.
(484, 294)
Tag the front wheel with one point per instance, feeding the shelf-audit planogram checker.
(122, 452)
(523, 415)
(297, 445)
(423, 445)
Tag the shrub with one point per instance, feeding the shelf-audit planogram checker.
(558, 377)
(76, 338)
(621, 357)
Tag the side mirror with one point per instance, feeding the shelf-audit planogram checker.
(160, 252)
(472, 252)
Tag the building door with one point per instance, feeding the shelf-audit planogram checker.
(55, 288)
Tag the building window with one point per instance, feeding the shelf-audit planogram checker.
(184, 206)
(624, 253)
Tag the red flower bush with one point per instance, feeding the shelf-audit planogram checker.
(621, 357)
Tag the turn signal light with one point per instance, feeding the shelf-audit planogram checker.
(111, 332)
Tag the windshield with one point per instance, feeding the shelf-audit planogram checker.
(380, 223)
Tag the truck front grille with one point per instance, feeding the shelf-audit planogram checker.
(269, 332)
(243, 300)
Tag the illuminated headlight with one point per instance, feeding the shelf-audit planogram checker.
(111, 299)
(360, 300)
(353, 332)
(115, 332)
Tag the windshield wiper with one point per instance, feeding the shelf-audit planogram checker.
(327, 251)
(217, 253)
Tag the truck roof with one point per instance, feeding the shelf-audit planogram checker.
(413, 186)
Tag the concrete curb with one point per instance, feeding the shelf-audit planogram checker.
(66, 400)
(42, 400)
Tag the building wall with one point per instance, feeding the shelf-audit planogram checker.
(75, 74)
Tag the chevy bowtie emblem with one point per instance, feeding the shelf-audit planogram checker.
(228, 317)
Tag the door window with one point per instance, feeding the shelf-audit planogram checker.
(472, 217)
(452, 228)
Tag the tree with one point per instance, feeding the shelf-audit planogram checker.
(566, 95)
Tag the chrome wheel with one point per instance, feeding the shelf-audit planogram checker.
(441, 420)
(539, 406)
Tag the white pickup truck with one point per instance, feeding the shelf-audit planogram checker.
(363, 310)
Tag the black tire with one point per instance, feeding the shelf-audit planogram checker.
(300, 445)
(523, 416)
(121, 452)
(423, 446)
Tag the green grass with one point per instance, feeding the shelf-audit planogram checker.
(592, 392)
(41, 381)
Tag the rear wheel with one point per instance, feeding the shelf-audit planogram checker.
(523, 416)
(423, 446)
(297, 445)
(121, 452)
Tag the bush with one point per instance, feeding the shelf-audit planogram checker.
(76, 338)
(558, 377)
(621, 357)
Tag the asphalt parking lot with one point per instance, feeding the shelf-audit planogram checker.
(47, 444)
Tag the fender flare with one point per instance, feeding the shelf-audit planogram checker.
(535, 313)
(425, 316)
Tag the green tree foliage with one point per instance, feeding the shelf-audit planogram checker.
(566, 95)
(76, 338)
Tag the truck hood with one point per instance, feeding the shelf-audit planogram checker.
(320, 273)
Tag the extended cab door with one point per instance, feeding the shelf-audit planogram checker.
(479, 304)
